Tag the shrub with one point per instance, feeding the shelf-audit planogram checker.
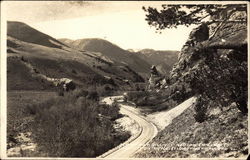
(136, 95)
(93, 95)
(105, 90)
(74, 71)
(75, 126)
(80, 93)
(60, 92)
(166, 105)
(200, 110)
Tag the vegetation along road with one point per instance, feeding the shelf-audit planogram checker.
(133, 145)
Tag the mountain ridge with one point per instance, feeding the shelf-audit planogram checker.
(58, 61)
(162, 59)
(110, 50)
(26, 33)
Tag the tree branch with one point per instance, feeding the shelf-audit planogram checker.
(194, 12)
(220, 25)
(217, 29)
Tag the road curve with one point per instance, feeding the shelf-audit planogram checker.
(129, 148)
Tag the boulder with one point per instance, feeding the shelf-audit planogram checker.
(199, 34)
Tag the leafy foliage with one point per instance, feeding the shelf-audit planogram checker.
(75, 125)
(222, 78)
(200, 110)
(170, 16)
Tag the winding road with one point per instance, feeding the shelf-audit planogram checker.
(130, 147)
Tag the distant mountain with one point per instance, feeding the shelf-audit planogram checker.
(67, 41)
(33, 57)
(111, 51)
(24, 32)
(163, 60)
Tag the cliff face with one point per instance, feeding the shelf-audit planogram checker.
(191, 56)
(214, 67)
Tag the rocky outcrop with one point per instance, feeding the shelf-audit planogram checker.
(214, 66)
(156, 80)
(191, 56)
(199, 34)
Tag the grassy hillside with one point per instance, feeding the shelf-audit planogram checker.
(26, 33)
(81, 66)
(20, 78)
(111, 51)
(34, 102)
(224, 134)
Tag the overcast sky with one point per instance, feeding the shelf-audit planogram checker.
(122, 23)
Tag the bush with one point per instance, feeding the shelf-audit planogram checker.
(60, 92)
(74, 71)
(200, 110)
(135, 96)
(80, 93)
(166, 105)
(75, 126)
(93, 95)
(105, 90)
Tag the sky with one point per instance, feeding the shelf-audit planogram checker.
(122, 23)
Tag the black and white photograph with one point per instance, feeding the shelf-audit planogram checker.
(124, 79)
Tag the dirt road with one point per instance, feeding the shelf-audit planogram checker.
(130, 147)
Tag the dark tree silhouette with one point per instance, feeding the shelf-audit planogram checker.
(171, 16)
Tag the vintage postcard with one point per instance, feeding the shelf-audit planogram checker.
(124, 79)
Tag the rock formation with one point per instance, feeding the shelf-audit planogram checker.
(156, 80)
(214, 66)
(199, 34)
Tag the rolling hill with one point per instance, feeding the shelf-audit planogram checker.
(23, 32)
(31, 52)
(112, 51)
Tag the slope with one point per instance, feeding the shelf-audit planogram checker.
(38, 52)
(26, 33)
(112, 51)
